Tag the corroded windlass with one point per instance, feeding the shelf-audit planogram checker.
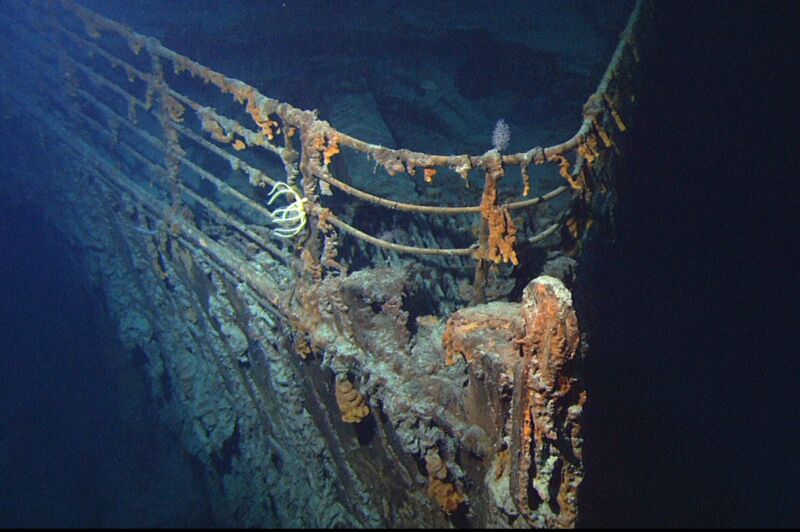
(524, 362)
(546, 443)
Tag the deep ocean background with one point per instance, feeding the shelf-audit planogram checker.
(695, 358)
(692, 310)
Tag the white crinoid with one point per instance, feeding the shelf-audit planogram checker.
(292, 218)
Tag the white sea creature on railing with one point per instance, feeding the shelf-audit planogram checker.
(292, 218)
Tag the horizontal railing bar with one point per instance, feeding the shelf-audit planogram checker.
(347, 188)
(296, 117)
(253, 138)
(432, 209)
(365, 196)
(159, 144)
(336, 221)
(401, 248)
(224, 258)
(159, 171)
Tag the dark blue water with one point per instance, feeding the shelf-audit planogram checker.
(694, 372)
(80, 444)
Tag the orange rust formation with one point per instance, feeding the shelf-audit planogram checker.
(530, 351)
(466, 332)
(350, 401)
(269, 127)
(499, 242)
(444, 493)
(212, 126)
(173, 107)
(552, 403)
(301, 346)
(331, 149)
(435, 465)
(328, 146)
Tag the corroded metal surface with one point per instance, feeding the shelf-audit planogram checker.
(524, 365)
(321, 381)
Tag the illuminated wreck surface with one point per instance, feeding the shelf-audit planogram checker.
(339, 328)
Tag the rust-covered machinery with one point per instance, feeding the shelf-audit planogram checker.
(326, 373)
